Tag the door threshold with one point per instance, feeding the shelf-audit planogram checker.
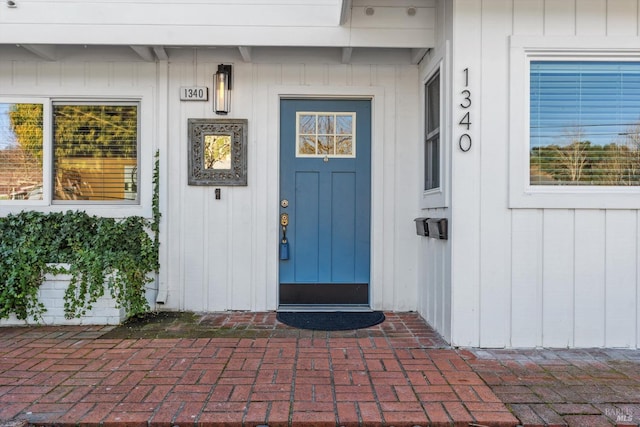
(324, 307)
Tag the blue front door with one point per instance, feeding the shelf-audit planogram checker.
(325, 190)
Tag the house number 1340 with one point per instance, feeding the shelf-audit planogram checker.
(464, 142)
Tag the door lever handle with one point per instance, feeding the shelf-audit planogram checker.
(284, 221)
(284, 243)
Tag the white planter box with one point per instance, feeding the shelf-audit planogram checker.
(51, 294)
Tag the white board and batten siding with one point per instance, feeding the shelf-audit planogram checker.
(223, 253)
(546, 276)
(434, 255)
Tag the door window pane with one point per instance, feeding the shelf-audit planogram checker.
(326, 134)
(326, 145)
(307, 145)
(21, 151)
(344, 145)
(307, 124)
(344, 125)
(325, 124)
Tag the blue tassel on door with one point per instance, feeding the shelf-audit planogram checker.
(284, 249)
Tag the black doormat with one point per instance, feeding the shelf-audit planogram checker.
(331, 321)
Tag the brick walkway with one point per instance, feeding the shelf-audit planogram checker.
(591, 387)
(247, 369)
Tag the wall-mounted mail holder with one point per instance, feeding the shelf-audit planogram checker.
(436, 228)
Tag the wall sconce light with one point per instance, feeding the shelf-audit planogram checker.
(222, 89)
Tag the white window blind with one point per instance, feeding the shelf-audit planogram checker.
(95, 151)
(584, 123)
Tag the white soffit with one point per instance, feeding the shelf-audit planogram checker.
(46, 52)
(385, 23)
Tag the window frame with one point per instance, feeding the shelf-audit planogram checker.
(145, 146)
(99, 102)
(431, 137)
(47, 155)
(436, 63)
(335, 114)
(522, 194)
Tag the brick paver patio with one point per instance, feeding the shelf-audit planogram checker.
(247, 369)
(590, 387)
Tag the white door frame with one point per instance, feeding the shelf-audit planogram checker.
(376, 95)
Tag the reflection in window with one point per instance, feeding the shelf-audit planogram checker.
(432, 134)
(325, 134)
(21, 151)
(584, 123)
(217, 151)
(95, 152)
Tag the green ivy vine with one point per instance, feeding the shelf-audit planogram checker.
(99, 253)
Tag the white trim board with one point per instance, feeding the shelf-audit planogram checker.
(376, 95)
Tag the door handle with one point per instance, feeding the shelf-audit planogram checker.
(284, 219)
(284, 243)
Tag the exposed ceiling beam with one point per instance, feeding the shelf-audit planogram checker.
(144, 52)
(345, 12)
(245, 52)
(161, 53)
(346, 54)
(46, 52)
(417, 55)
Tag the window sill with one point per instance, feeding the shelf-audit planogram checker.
(577, 198)
(109, 211)
(433, 199)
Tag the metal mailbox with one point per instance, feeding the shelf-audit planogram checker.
(436, 228)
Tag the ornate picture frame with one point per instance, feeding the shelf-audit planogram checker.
(217, 151)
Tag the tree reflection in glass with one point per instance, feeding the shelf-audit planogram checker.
(217, 151)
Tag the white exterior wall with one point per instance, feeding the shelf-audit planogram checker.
(549, 273)
(221, 254)
(434, 256)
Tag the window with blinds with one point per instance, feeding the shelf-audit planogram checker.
(95, 151)
(21, 151)
(584, 123)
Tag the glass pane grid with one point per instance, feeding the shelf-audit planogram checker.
(325, 134)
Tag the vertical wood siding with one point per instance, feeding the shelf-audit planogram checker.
(219, 254)
(434, 256)
(547, 277)
(224, 256)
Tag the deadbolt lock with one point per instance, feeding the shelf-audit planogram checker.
(284, 219)
(284, 203)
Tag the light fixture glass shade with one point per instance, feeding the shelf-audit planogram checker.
(222, 89)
